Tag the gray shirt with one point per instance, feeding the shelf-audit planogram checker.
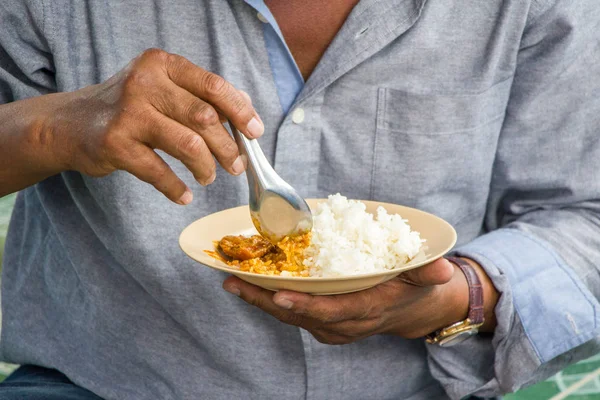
(485, 113)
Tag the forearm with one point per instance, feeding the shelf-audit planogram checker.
(574, 233)
(29, 151)
(543, 266)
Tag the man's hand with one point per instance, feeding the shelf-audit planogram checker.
(158, 101)
(436, 296)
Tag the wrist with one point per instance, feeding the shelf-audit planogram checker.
(453, 300)
(47, 134)
(490, 297)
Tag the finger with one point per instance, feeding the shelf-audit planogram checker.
(261, 298)
(438, 272)
(248, 99)
(333, 339)
(216, 91)
(328, 309)
(184, 144)
(246, 96)
(185, 108)
(353, 328)
(148, 166)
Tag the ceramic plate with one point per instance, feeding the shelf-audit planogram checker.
(199, 236)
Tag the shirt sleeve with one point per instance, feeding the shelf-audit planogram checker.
(26, 65)
(542, 246)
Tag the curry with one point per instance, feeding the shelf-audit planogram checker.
(256, 254)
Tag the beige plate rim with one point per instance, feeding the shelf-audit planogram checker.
(225, 268)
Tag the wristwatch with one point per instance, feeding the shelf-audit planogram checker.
(460, 331)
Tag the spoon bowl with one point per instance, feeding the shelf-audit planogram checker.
(276, 209)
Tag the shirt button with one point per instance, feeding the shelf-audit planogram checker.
(298, 115)
(262, 18)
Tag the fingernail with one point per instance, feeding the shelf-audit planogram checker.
(238, 166)
(255, 128)
(284, 303)
(186, 198)
(212, 178)
(232, 289)
(208, 181)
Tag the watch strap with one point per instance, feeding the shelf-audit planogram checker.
(476, 313)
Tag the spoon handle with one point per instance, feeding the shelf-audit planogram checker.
(257, 165)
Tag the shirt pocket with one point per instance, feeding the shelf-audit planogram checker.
(435, 151)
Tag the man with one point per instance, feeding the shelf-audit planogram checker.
(484, 113)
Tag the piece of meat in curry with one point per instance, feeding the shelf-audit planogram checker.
(245, 248)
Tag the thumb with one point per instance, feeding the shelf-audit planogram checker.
(438, 272)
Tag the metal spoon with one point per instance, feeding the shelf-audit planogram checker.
(276, 209)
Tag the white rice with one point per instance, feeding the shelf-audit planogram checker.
(347, 240)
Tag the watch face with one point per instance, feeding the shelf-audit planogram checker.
(457, 338)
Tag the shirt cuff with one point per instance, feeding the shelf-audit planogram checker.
(544, 310)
